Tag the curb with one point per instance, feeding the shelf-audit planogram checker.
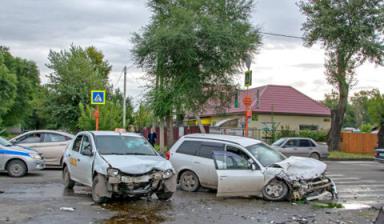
(351, 159)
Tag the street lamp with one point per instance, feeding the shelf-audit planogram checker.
(247, 100)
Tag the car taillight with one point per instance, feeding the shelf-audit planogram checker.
(168, 155)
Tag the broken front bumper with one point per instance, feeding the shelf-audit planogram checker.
(133, 185)
(313, 189)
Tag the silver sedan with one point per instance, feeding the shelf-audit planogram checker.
(305, 147)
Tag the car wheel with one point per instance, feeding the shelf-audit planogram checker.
(315, 155)
(96, 184)
(16, 168)
(163, 196)
(189, 181)
(68, 183)
(275, 190)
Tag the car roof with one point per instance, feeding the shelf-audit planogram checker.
(243, 141)
(48, 131)
(114, 133)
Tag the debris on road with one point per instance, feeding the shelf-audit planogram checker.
(67, 209)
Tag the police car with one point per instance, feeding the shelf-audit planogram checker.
(17, 160)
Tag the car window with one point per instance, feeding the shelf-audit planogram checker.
(291, 143)
(30, 138)
(312, 143)
(265, 154)
(189, 147)
(237, 151)
(279, 142)
(77, 143)
(123, 145)
(304, 143)
(85, 144)
(207, 148)
(51, 137)
(230, 161)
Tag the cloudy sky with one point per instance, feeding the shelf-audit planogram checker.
(31, 28)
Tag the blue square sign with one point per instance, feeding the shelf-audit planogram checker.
(98, 97)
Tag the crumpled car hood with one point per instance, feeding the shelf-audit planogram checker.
(302, 168)
(137, 164)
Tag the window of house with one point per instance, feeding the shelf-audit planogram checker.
(303, 127)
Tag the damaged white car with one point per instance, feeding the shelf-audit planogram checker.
(239, 166)
(121, 164)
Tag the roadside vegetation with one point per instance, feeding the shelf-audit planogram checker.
(344, 155)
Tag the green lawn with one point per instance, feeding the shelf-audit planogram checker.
(345, 155)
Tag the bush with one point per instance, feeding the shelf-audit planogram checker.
(366, 128)
(319, 136)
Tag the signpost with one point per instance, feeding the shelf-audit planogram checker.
(97, 98)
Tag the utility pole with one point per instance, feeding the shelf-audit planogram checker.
(124, 98)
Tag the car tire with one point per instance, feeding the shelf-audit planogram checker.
(163, 196)
(68, 182)
(189, 181)
(95, 184)
(275, 190)
(16, 168)
(315, 155)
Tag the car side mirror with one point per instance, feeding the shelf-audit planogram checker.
(162, 154)
(13, 141)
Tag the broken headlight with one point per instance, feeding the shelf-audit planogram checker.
(167, 174)
(112, 172)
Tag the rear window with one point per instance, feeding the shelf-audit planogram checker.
(206, 149)
(189, 147)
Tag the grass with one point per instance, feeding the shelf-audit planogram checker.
(346, 155)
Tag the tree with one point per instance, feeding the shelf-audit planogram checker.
(191, 51)
(143, 117)
(27, 83)
(351, 31)
(75, 72)
(8, 83)
(376, 112)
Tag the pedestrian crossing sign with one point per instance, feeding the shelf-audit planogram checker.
(98, 97)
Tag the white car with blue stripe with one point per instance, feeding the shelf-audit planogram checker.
(18, 160)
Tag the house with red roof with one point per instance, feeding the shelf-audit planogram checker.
(281, 106)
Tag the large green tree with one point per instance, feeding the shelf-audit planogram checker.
(26, 81)
(351, 32)
(376, 112)
(191, 51)
(75, 72)
(8, 82)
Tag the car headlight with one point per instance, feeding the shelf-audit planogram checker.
(113, 172)
(167, 174)
(35, 156)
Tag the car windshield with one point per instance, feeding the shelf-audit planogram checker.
(265, 155)
(123, 145)
(279, 142)
(5, 142)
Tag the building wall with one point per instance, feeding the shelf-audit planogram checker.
(293, 122)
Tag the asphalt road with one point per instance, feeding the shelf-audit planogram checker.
(38, 197)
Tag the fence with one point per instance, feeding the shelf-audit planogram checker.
(177, 132)
(364, 143)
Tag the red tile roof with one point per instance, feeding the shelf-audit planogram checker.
(277, 99)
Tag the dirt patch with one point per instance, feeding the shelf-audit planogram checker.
(138, 211)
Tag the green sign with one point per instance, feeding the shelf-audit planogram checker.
(248, 78)
(98, 96)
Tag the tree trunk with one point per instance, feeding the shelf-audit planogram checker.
(380, 136)
(170, 138)
(337, 119)
(161, 137)
(201, 127)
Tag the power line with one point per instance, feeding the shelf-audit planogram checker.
(282, 35)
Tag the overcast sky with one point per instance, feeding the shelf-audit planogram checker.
(31, 28)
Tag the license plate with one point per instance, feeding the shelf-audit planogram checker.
(134, 179)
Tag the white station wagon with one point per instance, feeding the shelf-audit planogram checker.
(114, 163)
(239, 166)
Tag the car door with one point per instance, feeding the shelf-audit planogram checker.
(237, 176)
(290, 148)
(205, 166)
(53, 146)
(73, 156)
(85, 161)
(305, 147)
